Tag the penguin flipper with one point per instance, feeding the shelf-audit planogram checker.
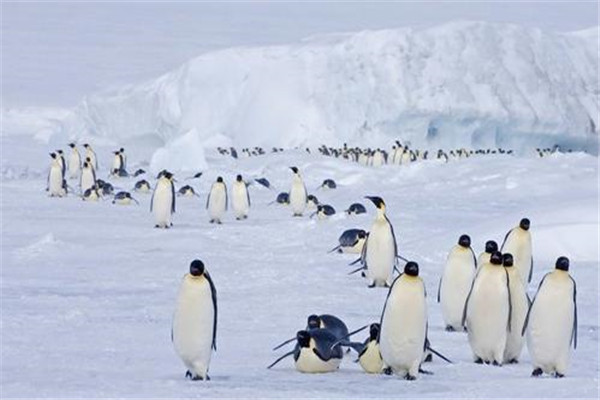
(335, 248)
(505, 238)
(464, 316)
(574, 332)
(439, 289)
(208, 199)
(509, 301)
(531, 306)
(281, 358)
(213, 292)
(530, 271)
(172, 198)
(152, 200)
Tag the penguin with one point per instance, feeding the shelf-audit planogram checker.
(142, 186)
(91, 194)
(91, 154)
(355, 209)
(187, 191)
(324, 211)
(74, 162)
(328, 184)
(240, 198)
(138, 172)
(518, 243)
(316, 351)
(88, 177)
(216, 202)
(404, 324)
(324, 321)
(369, 356)
(162, 203)
(62, 161)
(312, 201)
(124, 199)
(351, 241)
(117, 163)
(194, 330)
(487, 312)
(378, 159)
(283, 198)
(264, 182)
(519, 307)
(490, 248)
(104, 188)
(297, 194)
(123, 159)
(56, 187)
(379, 251)
(455, 283)
(551, 322)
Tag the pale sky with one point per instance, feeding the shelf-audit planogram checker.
(53, 54)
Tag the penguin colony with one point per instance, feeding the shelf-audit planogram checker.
(484, 295)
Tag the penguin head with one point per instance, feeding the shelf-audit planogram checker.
(464, 241)
(313, 321)
(53, 155)
(86, 145)
(313, 198)
(294, 170)
(72, 145)
(524, 224)
(86, 164)
(116, 153)
(122, 150)
(378, 201)
(562, 263)
(303, 338)
(507, 260)
(88, 159)
(496, 258)
(411, 268)
(362, 234)
(374, 331)
(220, 179)
(197, 268)
(168, 175)
(491, 246)
(59, 152)
(238, 178)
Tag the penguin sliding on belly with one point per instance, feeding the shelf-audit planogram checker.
(323, 321)
(316, 351)
(351, 241)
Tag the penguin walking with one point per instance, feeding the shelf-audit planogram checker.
(490, 248)
(379, 251)
(456, 282)
(194, 331)
(297, 194)
(551, 323)
(519, 306)
(216, 203)
(74, 162)
(240, 198)
(316, 351)
(87, 179)
(91, 154)
(162, 203)
(487, 312)
(404, 324)
(56, 185)
(518, 243)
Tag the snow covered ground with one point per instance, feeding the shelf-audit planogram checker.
(88, 289)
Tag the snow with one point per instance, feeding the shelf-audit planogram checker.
(88, 289)
(472, 84)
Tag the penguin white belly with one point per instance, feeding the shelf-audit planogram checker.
(518, 243)
(239, 200)
(116, 163)
(309, 362)
(74, 165)
(298, 197)
(162, 204)
(487, 315)
(378, 159)
(520, 305)
(92, 156)
(405, 158)
(87, 179)
(550, 326)
(193, 325)
(403, 329)
(483, 259)
(456, 283)
(217, 203)
(55, 182)
(380, 255)
(371, 360)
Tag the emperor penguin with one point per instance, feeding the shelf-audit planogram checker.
(91, 154)
(351, 241)
(91, 194)
(324, 321)
(324, 211)
(162, 203)
(142, 186)
(404, 324)
(456, 282)
(74, 161)
(551, 323)
(378, 159)
(487, 312)
(369, 355)
(194, 331)
(518, 243)
(63, 163)
(490, 247)
(216, 203)
(379, 251)
(297, 194)
(240, 198)
(519, 306)
(123, 158)
(87, 179)
(117, 163)
(56, 187)
(124, 198)
(316, 351)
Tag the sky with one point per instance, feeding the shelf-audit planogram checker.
(55, 53)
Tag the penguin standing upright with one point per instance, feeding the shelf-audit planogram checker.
(87, 179)
(117, 163)
(487, 312)
(518, 243)
(519, 306)
(404, 324)
(74, 161)
(55, 178)
(91, 154)
(490, 248)
(240, 198)
(551, 322)
(297, 194)
(216, 203)
(63, 163)
(162, 203)
(194, 332)
(123, 159)
(456, 283)
(379, 251)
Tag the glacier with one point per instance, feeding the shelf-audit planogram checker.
(461, 84)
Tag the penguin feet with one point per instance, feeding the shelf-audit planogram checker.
(429, 358)
(388, 371)
(362, 274)
(450, 328)
(425, 372)
(513, 361)
(212, 221)
(371, 286)
(409, 377)
(537, 372)
(496, 364)
(478, 361)
(158, 226)
(559, 375)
